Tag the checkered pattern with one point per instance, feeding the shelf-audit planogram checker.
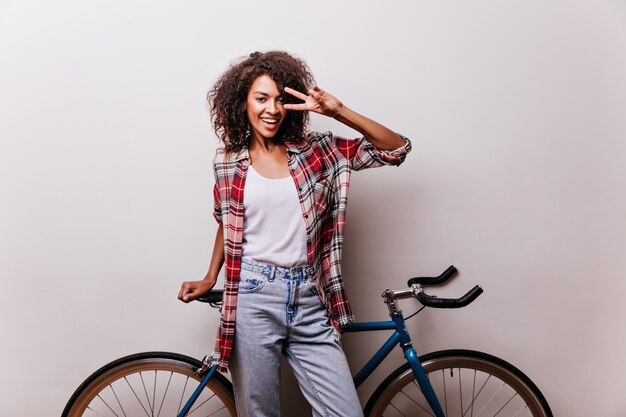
(320, 167)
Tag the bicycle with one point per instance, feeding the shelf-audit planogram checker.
(444, 383)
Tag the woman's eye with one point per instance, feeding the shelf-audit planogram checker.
(261, 99)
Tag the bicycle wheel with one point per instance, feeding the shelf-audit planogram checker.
(467, 384)
(153, 384)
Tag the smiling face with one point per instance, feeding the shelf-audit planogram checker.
(264, 108)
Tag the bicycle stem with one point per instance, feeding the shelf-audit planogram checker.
(391, 297)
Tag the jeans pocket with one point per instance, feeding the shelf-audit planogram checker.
(310, 287)
(250, 282)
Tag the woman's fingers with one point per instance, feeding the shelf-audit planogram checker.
(301, 107)
(316, 92)
(316, 101)
(298, 106)
(190, 290)
(296, 93)
(186, 292)
(183, 291)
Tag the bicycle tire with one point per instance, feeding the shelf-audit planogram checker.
(494, 386)
(150, 384)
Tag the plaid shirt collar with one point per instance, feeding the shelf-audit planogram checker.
(245, 154)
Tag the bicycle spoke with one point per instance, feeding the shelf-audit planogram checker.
(146, 393)
(136, 396)
(200, 405)
(505, 404)
(416, 403)
(398, 410)
(460, 391)
(490, 400)
(473, 392)
(94, 411)
(182, 395)
(523, 408)
(154, 392)
(107, 404)
(477, 395)
(217, 411)
(118, 400)
(167, 387)
(445, 393)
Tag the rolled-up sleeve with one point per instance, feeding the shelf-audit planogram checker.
(362, 154)
(217, 205)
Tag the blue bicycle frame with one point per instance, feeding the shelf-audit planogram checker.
(400, 336)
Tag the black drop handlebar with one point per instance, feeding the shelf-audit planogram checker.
(435, 302)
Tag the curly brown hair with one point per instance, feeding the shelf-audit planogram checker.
(228, 96)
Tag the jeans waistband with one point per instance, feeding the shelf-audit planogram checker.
(305, 272)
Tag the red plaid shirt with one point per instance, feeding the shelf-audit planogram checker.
(320, 167)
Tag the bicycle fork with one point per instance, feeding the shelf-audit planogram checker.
(404, 339)
(416, 366)
(198, 391)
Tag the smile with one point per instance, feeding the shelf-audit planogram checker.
(269, 121)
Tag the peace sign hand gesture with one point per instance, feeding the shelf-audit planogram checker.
(318, 101)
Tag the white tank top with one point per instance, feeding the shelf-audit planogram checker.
(274, 231)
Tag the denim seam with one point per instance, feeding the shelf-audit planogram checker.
(306, 375)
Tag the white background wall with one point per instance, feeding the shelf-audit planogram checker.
(516, 111)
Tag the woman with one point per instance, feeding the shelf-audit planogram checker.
(280, 202)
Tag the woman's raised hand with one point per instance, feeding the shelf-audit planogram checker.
(318, 101)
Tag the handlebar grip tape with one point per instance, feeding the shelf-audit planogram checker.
(446, 275)
(435, 302)
(213, 296)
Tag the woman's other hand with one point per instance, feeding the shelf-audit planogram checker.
(318, 101)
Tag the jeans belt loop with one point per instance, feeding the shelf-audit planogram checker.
(272, 272)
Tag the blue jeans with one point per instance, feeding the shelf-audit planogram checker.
(280, 313)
